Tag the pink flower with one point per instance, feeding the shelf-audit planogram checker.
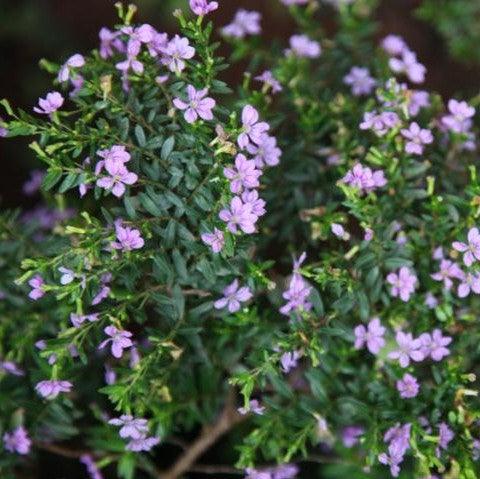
(50, 104)
(409, 348)
(215, 240)
(118, 177)
(197, 106)
(372, 336)
(417, 137)
(469, 282)
(410, 66)
(435, 345)
(176, 52)
(75, 61)
(37, 284)
(242, 175)
(128, 239)
(202, 7)
(17, 441)
(460, 118)
(448, 270)
(239, 215)
(252, 129)
(303, 46)
(360, 81)
(394, 45)
(119, 340)
(472, 249)
(403, 283)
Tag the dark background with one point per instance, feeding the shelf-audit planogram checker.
(55, 29)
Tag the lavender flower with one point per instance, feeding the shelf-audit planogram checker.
(294, 2)
(289, 360)
(110, 375)
(128, 239)
(34, 183)
(118, 177)
(372, 336)
(52, 388)
(215, 240)
(37, 283)
(472, 249)
(350, 435)
(109, 42)
(78, 319)
(233, 296)
(17, 441)
(360, 81)
(131, 63)
(75, 61)
(408, 386)
(431, 301)
(403, 283)
(130, 427)
(244, 23)
(254, 407)
(469, 282)
(239, 215)
(339, 231)
(11, 368)
(417, 137)
(256, 203)
(394, 45)
(303, 47)
(266, 152)
(380, 123)
(269, 81)
(410, 66)
(409, 348)
(448, 270)
(297, 293)
(363, 178)
(460, 118)
(50, 104)
(92, 468)
(446, 435)
(119, 340)
(242, 175)
(202, 7)
(197, 106)
(418, 99)
(393, 459)
(252, 129)
(435, 345)
(176, 52)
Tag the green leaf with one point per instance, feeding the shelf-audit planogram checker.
(167, 147)
(51, 178)
(140, 136)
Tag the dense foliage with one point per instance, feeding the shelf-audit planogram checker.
(291, 261)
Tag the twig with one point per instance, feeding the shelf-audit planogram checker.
(61, 450)
(215, 469)
(209, 435)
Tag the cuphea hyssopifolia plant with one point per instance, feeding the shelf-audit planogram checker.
(159, 247)
(158, 283)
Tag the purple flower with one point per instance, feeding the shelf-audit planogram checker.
(303, 47)
(256, 203)
(176, 52)
(408, 386)
(75, 61)
(372, 336)
(239, 215)
(394, 45)
(410, 66)
(215, 240)
(350, 435)
(37, 284)
(130, 63)
(284, 471)
(115, 154)
(403, 283)
(50, 104)
(108, 42)
(52, 388)
(269, 81)
(470, 282)
(156, 46)
(197, 106)
(393, 459)
(104, 289)
(119, 177)
(202, 7)
(133, 428)
(242, 175)
(3, 130)
(460, 118)
(435, 345)
(119, 340)
(128, 239)
(368, 236)
(445, 437)
(78, 319)
(34, 183)
(381, 123)
(92, 468)
(110, 375)
(136, 36)
(360, 81)
(448, 270)
(409, 348)
(252, 129)
(417, 137)
(11, 368)
(254, 406)
(339, 231)
(17, 441)
(294, 2)
(142, 444)
(431, 301)
(244, 23)
(266, 153)
(298, 292)
(418, 99)
(233, 296)
(471, 251)
(67, 275)
(363, 178)
(289, 360)
(399, 435)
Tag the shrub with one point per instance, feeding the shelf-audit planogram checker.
(152, 295)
